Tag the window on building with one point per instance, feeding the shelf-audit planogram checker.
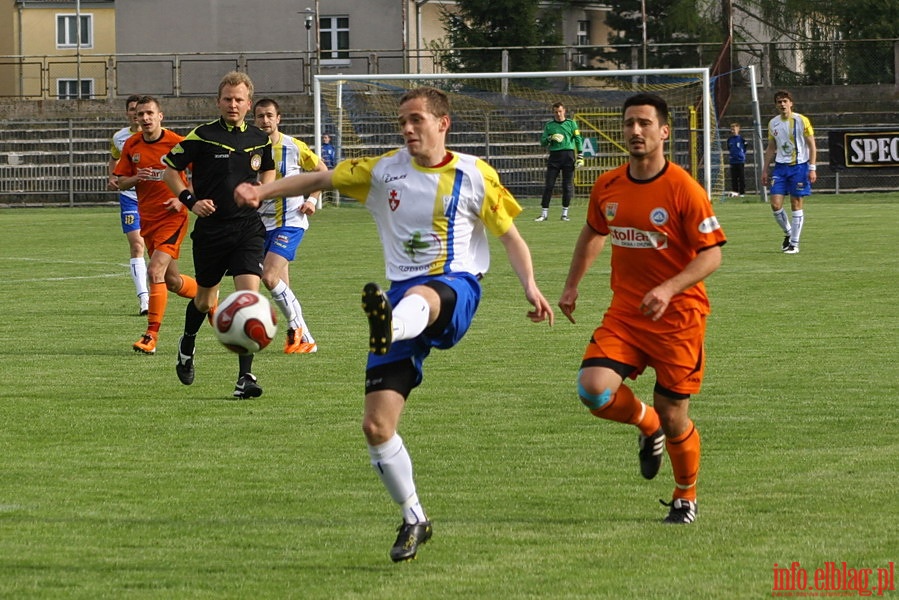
(334, 39)
(67, 31)
(583, 39)
(67, 89)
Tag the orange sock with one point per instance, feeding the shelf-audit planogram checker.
(683, 451)
(159, 298)
(188, 287)
(625, 407)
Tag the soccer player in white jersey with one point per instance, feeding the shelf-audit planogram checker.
(286, 220)
(433, 209)
(791, 144)
(128, 207)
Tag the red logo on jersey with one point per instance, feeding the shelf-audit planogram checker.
(393, 198)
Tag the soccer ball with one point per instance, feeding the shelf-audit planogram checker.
(245, 322)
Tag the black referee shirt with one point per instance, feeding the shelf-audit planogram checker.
(220, 157)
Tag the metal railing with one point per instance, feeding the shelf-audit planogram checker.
(840, 62)
(64, 162)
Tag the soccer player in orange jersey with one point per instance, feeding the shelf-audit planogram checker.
(163, 225)
(665, 241)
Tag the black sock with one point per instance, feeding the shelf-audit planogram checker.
(245, 364)
(193, 320)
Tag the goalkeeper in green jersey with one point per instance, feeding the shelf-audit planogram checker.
(563, 139)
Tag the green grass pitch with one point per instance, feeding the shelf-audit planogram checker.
(118, 482)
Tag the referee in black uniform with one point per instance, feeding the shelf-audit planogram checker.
(227, 239)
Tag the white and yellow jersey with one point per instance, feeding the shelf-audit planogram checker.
(291, 156)
(431, 221)
(788, 136)
(115, 150)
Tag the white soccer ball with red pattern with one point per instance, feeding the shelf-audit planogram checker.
(245, 322)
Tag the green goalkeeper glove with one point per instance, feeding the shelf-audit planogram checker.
(557, 138)
(579, 162)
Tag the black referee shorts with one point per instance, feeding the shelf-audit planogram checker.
(230, 247)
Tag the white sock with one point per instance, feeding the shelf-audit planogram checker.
(781, 217)
(290, 306)
(798, 220)
(564, 211)
(393, 465)
(139, 276)
(410, 317)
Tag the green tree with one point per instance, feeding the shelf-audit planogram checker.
(836, 39)
(869, 62)
(673, 28)
(514, 24)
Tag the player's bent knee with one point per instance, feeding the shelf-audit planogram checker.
(591, 400)
(270, 281)
(203, 305)
(375, 433)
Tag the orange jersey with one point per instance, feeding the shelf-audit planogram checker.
(656, 228)
(152, 193)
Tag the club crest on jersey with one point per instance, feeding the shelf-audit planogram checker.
(658, 216)
(135, 158)
(611, 210)
(256, 162)
(393, 199)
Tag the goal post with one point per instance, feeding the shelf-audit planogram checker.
(500, 116)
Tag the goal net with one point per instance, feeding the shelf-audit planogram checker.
(499, 117)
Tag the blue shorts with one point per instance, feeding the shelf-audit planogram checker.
(468, 296)
(790, 180)
(284, 241)
(130, 216)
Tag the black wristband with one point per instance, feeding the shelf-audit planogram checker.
(187, 199)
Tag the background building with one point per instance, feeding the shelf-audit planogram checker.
(56, 49)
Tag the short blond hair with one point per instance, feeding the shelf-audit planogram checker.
(235, 78)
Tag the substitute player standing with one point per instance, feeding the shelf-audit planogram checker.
(665, 242)
(227, 238)
(791, 144)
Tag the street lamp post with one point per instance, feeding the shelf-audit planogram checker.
(645, 40)
(78, 46)
(308, 23)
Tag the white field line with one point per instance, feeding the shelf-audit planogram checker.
(82, 263)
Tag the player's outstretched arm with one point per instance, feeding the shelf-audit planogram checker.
(520, 258)
(301, 184)
(589, 245)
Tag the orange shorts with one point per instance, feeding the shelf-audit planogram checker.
(674, 349)
(165, 235)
